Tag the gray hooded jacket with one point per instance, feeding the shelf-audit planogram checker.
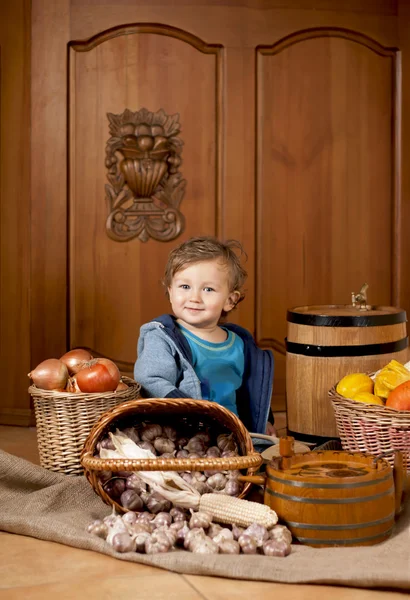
(164, 370)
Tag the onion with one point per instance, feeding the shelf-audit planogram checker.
(121, 386)
(98, 375)
(75, 359)
(72, 385)
(51, 374)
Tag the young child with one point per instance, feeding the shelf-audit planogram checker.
(193, 354)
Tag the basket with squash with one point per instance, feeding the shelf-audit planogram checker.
(372, 411)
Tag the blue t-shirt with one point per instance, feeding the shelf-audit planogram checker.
(219, 367)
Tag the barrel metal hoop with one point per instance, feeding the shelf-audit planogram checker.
(339, 351)
(329, 500)
(346, 321)
(336, 542)
(329, 486)
(341, 527)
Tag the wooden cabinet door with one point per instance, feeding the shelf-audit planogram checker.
(115, 285)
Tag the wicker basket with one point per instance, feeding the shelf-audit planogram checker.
(64, 421)
(372, 429)
(197, 413)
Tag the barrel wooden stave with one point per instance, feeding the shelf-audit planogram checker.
(338, 336)
(309, 378)
(308, 381)
(334, 511)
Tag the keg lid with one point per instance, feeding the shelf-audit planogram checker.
(329, 465)
(340, 315)
(357, 314)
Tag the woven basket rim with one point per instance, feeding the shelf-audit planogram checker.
(33, 390)
(137, 406)
(369, 409)
(170, 464)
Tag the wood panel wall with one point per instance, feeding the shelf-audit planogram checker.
(292, 138)
(15, 136)
(326, 168)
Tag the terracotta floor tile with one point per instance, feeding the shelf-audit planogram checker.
(137, 586)
(28, 561)
(214, 588)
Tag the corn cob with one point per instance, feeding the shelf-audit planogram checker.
(234, 511)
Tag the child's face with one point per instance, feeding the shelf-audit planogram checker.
(200, 292)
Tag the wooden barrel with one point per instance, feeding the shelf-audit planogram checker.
(325, 343)
(333, 498)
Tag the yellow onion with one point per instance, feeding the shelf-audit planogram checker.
(72, 385)
(51, 374)
(76, 359)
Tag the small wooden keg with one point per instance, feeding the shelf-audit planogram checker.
(325, 343)
(333, 498)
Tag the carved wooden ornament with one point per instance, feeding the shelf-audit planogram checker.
(143, 155)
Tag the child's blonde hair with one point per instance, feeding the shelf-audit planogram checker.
(199, 249)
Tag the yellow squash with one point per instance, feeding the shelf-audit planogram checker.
(389, 378)
(353, 384)
(368, 398)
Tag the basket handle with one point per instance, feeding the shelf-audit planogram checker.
(170, 464)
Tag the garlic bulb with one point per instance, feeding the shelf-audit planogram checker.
(213, 452)
(280, 532)
(123, 542)
(248, 544)
(134, 482)
(145, 445)
(276, 548)
(229, 547)
(163, 444)
(204, 546)
(195, 445)
(200, 519)
(170, 432)
(223, 535)
(226, 442)
(178, 514)
(98, 528)
(132, 433)
(162, 518)
(150, 432)
(157, 503)
(141, 540)
(258, 532)
(130, 499)
(157, 544)
(232, 487)
(217, 482)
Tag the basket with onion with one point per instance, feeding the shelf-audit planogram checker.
(69, 396)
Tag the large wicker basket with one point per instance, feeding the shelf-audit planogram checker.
(176, 411)
(64, 421)
(371, 428)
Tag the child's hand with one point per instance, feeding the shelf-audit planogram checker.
(270, 429)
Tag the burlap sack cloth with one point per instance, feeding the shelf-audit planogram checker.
(50, 506)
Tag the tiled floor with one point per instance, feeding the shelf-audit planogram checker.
(35, 569)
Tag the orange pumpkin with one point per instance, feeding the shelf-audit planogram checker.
(399, 398)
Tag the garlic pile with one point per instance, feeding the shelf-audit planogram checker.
(127, 488)
(177, 529)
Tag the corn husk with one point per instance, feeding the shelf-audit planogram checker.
(167, 483)
(223, 508)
